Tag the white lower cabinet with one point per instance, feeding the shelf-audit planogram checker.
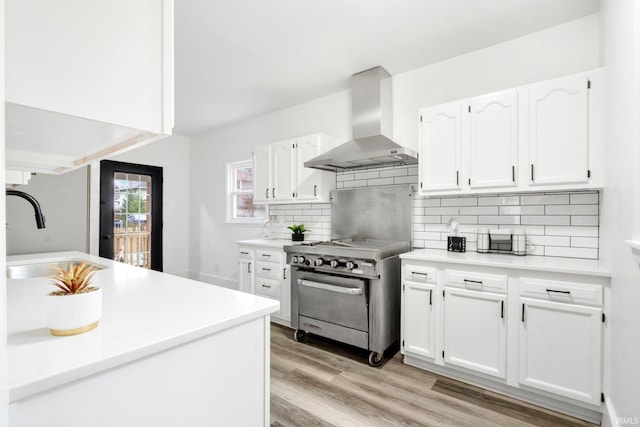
(518, 331)
(561, 340)
(475, 331)
(418, 304)
(262, 271)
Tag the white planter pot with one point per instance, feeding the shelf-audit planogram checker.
(75, 313)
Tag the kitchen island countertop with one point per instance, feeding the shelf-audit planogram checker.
(538, 263)
(144, 312)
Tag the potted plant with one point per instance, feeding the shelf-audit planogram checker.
(76, 306)
(298, 231)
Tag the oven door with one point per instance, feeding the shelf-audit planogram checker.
(334, 299)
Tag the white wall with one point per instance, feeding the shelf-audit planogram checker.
(4, 381)
(620, 216)
(63, 199)
(561, 50)
(172, 154)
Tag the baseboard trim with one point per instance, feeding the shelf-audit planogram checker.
(609, 415)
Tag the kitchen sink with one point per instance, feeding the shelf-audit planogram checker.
(44, 269)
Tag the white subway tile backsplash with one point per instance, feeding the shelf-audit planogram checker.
(427, 219)
(522, 210)
(546, 220)
(379, 181)
(555, 226)
(405, 180)
(498, 200)
(584, 242)
(479, 210)
(441, 211)
(571, 210)
(499, 219)
(571, 231)
(367, 174)
(550, 240)
(345, 177)
(571, 252)
(426, 202)
(545, 199)
(393, 172)
(461, 201)
(584, 220)
(584, 199)
(355, 183)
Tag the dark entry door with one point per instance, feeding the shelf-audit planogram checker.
(131, 213)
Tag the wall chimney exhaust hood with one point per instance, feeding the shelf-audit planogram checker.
(372, 124)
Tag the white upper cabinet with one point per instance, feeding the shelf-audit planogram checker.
(493, 140)
(280, 175)
(85, 80)
(313, 185)
(440, 147)
(543, 136)
(559, 131)
(262, 173)
(283, 157)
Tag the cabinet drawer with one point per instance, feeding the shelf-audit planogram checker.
(269, 270)
(267, 287)
(567, 292)
(266, 255)
(496, 283)
(244, 253)
(420, 274)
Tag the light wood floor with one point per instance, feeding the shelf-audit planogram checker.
(322, 383)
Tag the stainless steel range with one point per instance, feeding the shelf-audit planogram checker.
(348, 289)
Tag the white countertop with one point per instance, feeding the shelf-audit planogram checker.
(144, 312)
(271, 243)
(537, 263)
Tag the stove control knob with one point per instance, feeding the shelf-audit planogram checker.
(300, 260)
(319, 262)
(334, 263)
(294, 259)
(307, 263)
(350, 265)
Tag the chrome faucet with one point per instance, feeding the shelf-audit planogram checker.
(36, 206)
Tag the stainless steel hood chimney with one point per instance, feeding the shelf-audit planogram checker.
(372, 124)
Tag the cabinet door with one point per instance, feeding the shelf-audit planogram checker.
(560, 349)
(285, 295)
(559, 131)
(282, 167)
(418, 311)
(245, 275)
(493, 140)
(475, 328)
(309, 181)
(262, 173)
(440, 145)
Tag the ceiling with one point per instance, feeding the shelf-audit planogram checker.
(243, 58)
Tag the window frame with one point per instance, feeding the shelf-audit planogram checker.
(232, 191)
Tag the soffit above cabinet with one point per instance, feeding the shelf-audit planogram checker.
(49, 142)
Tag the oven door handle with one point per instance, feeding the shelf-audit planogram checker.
(331, 288)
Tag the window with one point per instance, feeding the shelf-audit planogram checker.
(240, 201)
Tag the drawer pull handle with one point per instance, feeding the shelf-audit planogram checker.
(430, 296)
(559, 292)
(244, 253)
(475, 282)
(266, 286)
(249, 268)
(415, 273)
(266, 255)
(266, 269)
(502, 309)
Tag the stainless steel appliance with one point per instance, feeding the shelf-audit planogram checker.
(372, 128)
(348, 289)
